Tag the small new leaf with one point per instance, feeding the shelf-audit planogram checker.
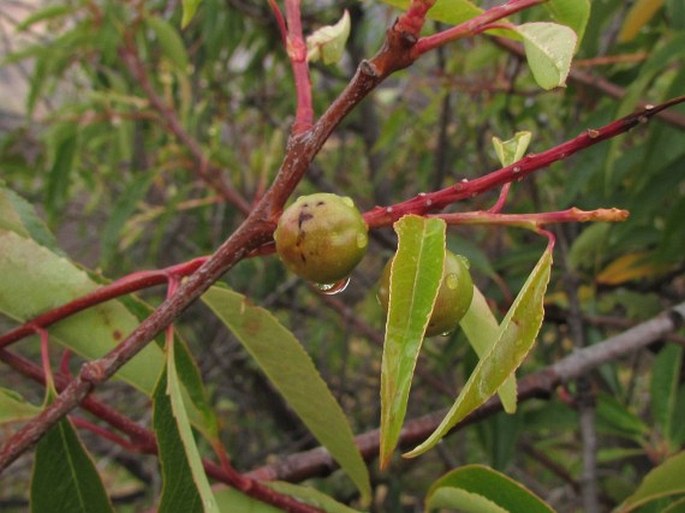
(328, 43)
(512, 150)
(189, 9)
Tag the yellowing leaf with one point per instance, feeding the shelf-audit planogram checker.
(629, 267)
(517, 335)
(638, 16)
(481, 329)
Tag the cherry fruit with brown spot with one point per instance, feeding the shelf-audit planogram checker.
(321, 237)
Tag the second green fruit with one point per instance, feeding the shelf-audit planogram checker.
(454, 295)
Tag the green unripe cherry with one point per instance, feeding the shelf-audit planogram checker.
(321, 237)
(454, 295)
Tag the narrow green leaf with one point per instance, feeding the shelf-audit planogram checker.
(451, 12)
(516, 337)
(311, 496)
(664, 387)
(504, 492)
(185, 432)
(189, 10)
(33, 279)
(179, 492)
(663, 481)
(482, 330)
(573, 13)
(231, 500)
(328, 43)
(14, 407)
(18, 215)
(615, 418)
(44, 14)
(415, 275)
(170, 41)
(294, 375)
(676, 507)
(549, 49)
(123, 209)
(64, 477)
(59, 175)
(202, 414)
(463, 501)
(512, 150)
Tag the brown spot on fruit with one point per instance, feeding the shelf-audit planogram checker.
(321, 244)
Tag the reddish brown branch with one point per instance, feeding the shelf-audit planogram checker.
(472, 26)
(131, 283)
(428, 202)
(143, 440)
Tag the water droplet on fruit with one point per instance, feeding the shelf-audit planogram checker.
(362, 240)
(445, 333)
(452, 281)
(331, 289)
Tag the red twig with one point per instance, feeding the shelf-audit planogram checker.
(131, 283)
(535, 220)
(427, 202)
(472, 26)
(279, 20)
(297, 53)
(144, 441)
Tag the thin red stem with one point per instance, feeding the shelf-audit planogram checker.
(131, 283)
(45, 358)
(538, 219)
(107, 434)
(424, 203)
(501, 199)
(279, 20)
(297, 53)
(472, 26)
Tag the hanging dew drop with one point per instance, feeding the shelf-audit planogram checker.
(331, 289)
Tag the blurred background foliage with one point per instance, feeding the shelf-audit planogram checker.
(81, 139)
